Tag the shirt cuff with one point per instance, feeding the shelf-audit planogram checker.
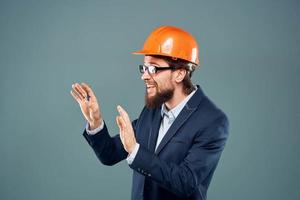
(131, 156)
(96, 130)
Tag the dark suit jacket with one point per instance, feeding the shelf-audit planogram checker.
(185, 160)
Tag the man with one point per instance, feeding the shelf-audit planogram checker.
(175, 144)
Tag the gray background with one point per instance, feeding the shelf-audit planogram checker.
(249, 66)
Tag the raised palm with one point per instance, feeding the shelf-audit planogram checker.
(88, 103)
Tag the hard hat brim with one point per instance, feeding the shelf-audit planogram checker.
(143, 52)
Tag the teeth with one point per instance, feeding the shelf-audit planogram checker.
(150, 86)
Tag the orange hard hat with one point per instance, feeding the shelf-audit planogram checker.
(172, 42)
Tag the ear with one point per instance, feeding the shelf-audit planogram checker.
(180, 74)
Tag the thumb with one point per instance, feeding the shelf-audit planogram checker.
(120, 124)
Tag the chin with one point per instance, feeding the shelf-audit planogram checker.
(152, 94)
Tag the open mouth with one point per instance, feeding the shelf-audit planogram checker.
(150, 88)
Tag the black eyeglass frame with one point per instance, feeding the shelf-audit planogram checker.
(156, 69)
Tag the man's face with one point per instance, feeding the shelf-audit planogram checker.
(159, 86)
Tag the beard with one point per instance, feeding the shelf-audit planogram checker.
(159, 98)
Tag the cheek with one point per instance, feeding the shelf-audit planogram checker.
(164, 83)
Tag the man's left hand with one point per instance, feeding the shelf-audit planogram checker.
(126, 130)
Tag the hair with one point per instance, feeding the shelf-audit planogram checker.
(178, 63)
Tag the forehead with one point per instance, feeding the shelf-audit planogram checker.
(154, 60)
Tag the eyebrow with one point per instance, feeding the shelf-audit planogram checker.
(153, 63)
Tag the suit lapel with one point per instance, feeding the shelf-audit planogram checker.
(179, 121)
(185, 113)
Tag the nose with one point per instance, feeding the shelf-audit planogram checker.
(145, 75)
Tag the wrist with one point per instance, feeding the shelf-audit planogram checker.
(95, 124)
(130, 150)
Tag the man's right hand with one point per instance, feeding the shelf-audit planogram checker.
(88, 103)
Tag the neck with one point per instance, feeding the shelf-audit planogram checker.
(178, 97)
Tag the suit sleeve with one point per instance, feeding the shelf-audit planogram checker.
(109, 150)
(184, 178)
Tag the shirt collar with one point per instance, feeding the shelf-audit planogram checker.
(173, 113)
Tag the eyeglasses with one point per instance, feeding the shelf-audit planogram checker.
(153, 69)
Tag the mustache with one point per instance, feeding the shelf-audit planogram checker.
(151, 83)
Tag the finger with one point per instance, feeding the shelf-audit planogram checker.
(121, 123)
(82, 91)
(121, 117)
(124, 114)
(77, 96)
(118, 123)
(88, 89)
(121, 129)
(77, 91)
